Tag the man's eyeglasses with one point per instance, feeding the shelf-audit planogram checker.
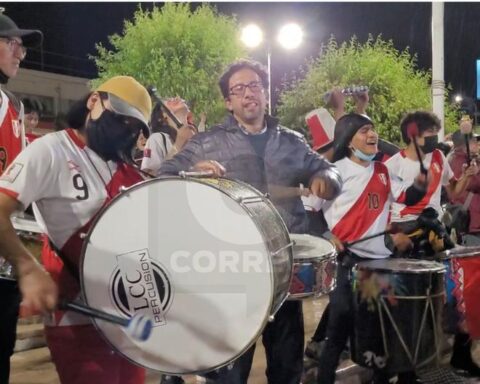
(13, 44)
(239, 89)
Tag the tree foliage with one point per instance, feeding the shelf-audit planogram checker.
(180, 51)
(396, 84)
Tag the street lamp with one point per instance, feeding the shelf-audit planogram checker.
(468, 105)
(289, 37)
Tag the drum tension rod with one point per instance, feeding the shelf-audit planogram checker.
(251, 199)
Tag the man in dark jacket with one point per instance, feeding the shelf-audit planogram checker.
(254, 148)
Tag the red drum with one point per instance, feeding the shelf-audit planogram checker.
(462, 312)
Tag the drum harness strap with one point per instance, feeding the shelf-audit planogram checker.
(66, 261)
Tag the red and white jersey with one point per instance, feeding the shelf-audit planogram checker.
(156, 149)
(407, 170)
(12, 132)
(362, 208)
(68, 184)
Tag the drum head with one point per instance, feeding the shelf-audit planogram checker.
(190, 257)
(398, 265)
(307, 247)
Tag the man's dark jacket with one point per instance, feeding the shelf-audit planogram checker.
(287, 162)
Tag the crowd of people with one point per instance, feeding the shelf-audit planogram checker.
(116, 138)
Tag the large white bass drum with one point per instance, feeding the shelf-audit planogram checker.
(209, 260)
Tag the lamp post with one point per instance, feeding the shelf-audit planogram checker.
(289, 37)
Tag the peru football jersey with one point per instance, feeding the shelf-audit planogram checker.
(156, 149)
(407, 170)
(68, 184)
(12, 134)
(362, 208)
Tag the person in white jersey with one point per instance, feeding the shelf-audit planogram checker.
(406, 165)
(69, 176)
(14, 43)
(166, 139)
(361, 209)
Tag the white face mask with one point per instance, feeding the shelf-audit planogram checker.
(363, 156)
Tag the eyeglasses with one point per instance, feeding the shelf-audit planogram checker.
(13, 44)
(239, 89)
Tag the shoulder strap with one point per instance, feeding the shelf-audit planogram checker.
(17, 104)
(72, 269)
(164, 140)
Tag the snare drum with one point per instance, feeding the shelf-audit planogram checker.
(209, 260)
(397, 314)
(314, 267)
(462, 313)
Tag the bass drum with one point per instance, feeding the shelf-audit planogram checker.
(209, 260)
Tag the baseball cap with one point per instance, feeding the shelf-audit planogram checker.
(458, 138)
(30, 37)
(129, 98)
(345, 128)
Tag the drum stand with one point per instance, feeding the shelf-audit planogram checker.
(382, 305)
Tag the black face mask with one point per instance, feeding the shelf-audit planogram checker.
(111, 138)
(430, 145)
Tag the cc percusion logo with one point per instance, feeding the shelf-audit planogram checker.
(140, 285)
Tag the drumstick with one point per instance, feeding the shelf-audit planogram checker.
(139, 327)
(393, 230)
(412, 133)
(153, 93)
(466, 130)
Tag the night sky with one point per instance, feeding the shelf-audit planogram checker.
(72, 29)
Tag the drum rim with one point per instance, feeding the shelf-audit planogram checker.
(439, 267)
(272, 310)
(446, 255)
(331, 254)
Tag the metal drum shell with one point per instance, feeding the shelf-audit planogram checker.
(314, 267)
(395, 297)
(276, 241)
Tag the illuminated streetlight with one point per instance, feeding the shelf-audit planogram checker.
(252, 36)
(458, 99)
(289, 37)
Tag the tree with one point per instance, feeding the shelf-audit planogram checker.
(396, 84)
(180, 51)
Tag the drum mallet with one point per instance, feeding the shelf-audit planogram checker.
(392, 230)
(412, 134)
(139, 327)
(154, 95)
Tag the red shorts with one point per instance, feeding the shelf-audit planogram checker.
(81, 356)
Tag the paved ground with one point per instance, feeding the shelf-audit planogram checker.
(34, 366)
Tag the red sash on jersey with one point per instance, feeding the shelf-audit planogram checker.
(436, 171)
(11, 143)
(69, 286)
(368, 207)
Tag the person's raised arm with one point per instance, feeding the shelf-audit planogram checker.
(37, 288)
